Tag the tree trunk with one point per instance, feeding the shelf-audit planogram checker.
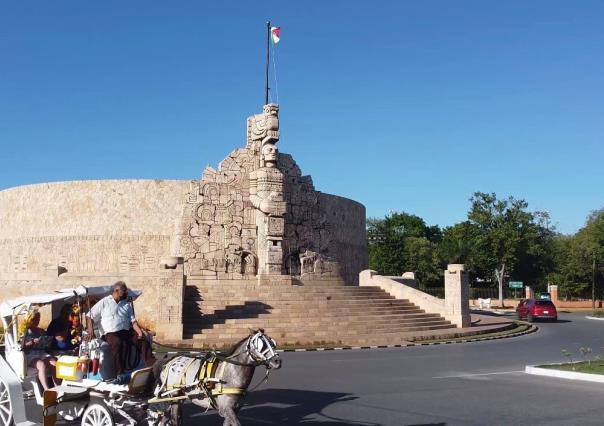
(499, 277)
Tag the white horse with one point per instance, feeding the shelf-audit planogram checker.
(215, 380)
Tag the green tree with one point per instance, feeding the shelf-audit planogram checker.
(507, 239)
(579, 258)
(403, 242)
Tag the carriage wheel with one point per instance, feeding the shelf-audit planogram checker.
(71, 413)
(176, 414)
(97, 415)
(6, 409)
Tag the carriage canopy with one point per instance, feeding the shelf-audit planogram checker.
(10, 307)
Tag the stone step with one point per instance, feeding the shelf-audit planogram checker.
(297, 310)
(316, 326)
(292, 297)
(316, 290)
(293, 290)
(221, 315)
(326, 315)
(267, 304)
(320, 320)
(290, 336)
(203, 327)
(301, 313)
(287, 304)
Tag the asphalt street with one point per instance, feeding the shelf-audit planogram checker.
(480, 383)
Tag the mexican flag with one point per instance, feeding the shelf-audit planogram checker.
(275, 34)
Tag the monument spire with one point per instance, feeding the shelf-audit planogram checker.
(271, 33)
(268, 35)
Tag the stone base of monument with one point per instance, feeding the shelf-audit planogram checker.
(277, 280)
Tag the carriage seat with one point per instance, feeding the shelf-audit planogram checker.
(140, 379)
(66, 393)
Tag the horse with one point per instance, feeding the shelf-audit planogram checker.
(217, 381)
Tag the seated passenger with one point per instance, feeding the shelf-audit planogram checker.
(36, 355)
(59, 329)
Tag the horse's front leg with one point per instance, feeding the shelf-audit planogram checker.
(226, 409)
(229, 416)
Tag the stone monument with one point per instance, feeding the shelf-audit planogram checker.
(255, 219)
(257, 216)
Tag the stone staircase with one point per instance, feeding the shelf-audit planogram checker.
(317, 312)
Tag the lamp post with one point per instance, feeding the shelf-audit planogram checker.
(593, 283)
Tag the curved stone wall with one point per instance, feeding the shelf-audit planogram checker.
(95, 207)
(126, 226)
(95, 226)
(348, 228)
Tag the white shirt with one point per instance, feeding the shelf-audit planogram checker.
(114, 316)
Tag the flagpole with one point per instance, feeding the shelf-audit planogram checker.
(268, 35)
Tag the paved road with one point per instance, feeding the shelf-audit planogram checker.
(479, 383)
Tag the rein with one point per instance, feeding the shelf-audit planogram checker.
(228, 360)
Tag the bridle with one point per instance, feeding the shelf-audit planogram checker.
(259, 347)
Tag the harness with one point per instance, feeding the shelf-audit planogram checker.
(213, 382)
(209, 377)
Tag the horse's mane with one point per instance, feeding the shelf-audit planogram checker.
(236, 345)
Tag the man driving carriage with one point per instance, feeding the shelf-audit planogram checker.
(118, 323)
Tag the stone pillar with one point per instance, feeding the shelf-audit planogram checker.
(170, 300)
(266, 188)
(457, 295)
(553, 290)
(529, 293)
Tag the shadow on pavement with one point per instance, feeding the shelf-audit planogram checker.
(281, 407)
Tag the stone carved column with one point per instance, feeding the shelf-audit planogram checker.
(266, 191)
(171, 293)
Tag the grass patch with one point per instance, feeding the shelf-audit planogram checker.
(593, 367)
(598, 313)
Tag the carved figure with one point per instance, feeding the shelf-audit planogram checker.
(263, 128)
(249, 264)
(307, 261)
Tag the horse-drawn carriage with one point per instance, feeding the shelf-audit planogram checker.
(90, 393)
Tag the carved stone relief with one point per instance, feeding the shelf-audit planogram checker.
(257, 213)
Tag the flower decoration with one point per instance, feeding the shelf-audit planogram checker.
(75, 329)
(24, 325)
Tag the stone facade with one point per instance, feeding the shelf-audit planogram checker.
(256, 217)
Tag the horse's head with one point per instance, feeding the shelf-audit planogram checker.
(262, 349)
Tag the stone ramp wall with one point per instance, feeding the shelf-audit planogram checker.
(454, 307)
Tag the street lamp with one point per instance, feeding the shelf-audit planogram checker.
(593, 283)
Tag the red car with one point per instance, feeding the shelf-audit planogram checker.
(532, 309)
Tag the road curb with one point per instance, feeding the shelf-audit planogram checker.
(569, 375)
(595, 318)
(532, 329)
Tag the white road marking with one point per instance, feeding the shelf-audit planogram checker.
(477, 374)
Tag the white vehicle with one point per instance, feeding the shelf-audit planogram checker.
(92, 399)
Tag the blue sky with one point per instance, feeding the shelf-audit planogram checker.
(401, 105)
